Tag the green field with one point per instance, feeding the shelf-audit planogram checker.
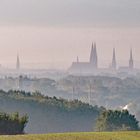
(78, 136)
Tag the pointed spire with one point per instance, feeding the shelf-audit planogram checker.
(131, 54)
(93, 56)
(114, 63)
(131, 61)
(18, 63)
(77, 59)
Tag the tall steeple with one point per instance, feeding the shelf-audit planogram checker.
(77, 59)
(131, 61)
(114, 63)
(93, 56)
(18, 63)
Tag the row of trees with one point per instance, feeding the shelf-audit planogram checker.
(51, 102)
(116, 121)
(12, 124)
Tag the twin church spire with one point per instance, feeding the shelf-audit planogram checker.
(18, 63)
(93, 56)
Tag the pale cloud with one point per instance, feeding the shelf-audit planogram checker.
(70, 12)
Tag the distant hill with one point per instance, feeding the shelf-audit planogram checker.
(111, 92)
(48, 114)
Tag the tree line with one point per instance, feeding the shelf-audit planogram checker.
(110, 120)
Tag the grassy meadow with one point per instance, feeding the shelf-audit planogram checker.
(78, 136)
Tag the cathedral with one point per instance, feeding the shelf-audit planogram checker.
(91, 67)
(86, 67)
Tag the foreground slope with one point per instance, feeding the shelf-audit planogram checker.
(78, 136)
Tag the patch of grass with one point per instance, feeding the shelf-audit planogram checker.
(78, 136)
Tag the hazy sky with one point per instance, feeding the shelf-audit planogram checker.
(51, 33)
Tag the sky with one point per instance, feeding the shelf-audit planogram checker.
(52, 33)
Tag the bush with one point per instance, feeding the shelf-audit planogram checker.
(116, 121)
(12, 124)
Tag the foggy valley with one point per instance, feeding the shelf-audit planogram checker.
(69, 69)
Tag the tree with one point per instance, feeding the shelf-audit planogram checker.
(12, 124)
(116, 121)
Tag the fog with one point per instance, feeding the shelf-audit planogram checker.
(58, 47)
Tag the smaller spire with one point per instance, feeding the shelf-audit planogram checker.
(93, 56)
(18, 62)
(131, 54)
(131, 61)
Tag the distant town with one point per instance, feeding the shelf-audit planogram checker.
(113, 87)
(78, 68)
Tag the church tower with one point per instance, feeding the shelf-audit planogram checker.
(18, 63)
(77, 59)
(131, 61)
(114, 63)
(93, 56)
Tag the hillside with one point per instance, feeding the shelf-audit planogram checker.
(78, 136)
(47, 114)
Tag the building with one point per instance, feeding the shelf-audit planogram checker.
(91, 67)
(86, 67)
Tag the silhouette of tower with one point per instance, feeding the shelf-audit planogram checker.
(18, 63)
(114, 63)
(93, 56)
(131, 61)
(77, 59)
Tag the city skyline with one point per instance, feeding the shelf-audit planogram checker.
(52, 49)
(91, 66)
(93, 58)
(52, 37)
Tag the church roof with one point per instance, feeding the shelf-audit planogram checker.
(80, 64)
